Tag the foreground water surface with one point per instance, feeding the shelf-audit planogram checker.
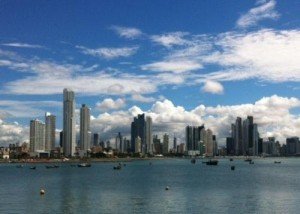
(263, 187)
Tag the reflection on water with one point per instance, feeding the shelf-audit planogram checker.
(140, 188)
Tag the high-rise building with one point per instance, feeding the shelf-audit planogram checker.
(138, 142)
(209, 144)
(165, 144)
(69, 121)
(37, 136)
(142, 128)
(119, 143)
(149, 141)
(194, 137)
(238, 138)
(174, 143)
(85, 132)
(49, 132)
(96, 139)
(293, 146)
(229, 146)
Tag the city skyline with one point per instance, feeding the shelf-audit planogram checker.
(194, 68)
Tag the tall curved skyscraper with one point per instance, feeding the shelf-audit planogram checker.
(69, 121)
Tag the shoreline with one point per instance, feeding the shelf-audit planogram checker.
(113, 160)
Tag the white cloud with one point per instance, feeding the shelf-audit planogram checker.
(173, 66)
(272, 114)
(110, 104)
(213, 87)
(268, 55)
(170, 39)
(12, 133)
(141, 98)
(26, 109)
(21, 45)
(266, 10)
(127, 32)
(109, 53)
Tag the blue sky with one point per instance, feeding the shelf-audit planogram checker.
(165, 58)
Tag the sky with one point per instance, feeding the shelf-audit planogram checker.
(180, 62)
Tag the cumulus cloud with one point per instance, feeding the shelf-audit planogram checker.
(109, 53)
(272, 114)
(21, 45)
(127, 32)
(12, 133)
(213, 87)
(109, 104)
(265, 10)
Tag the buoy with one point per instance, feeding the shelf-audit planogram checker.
(167, 187)
(42, 192)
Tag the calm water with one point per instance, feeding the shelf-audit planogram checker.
(264, 187)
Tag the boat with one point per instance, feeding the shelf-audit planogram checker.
(193, 161)
(20, 166)
(117, 167)
(33, 167)
(248, 160)
(251, 162)
(277, 162)
(232, 167)
(212, 162)
(84, 165)
(231, 159)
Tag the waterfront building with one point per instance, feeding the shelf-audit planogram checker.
(69, 121)
(61, 138)
(209, 145)
(292, 146)
(96, 139)
(229, 146)
(149, 141)
(50, 121)
(174, 143)
(85, 132)
(165, 144)
(141, 127)
(138, 142)
(157, 145)
(37, 136)
(194, 135)
(119, 143)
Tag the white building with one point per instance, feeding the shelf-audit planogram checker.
(69, 120)
(37, 136)
(138, 145)
(49, 132)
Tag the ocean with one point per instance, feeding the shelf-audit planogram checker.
(139, 187)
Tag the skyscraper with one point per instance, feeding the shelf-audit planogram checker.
(69, 120)
(96, 139)
(194, 137)
(149, 140)
(37, 136)
(166, 144)
(49, 132)
(238, 138)
(138, 129)
(119, 143)
(209, 144)
(85, 132)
